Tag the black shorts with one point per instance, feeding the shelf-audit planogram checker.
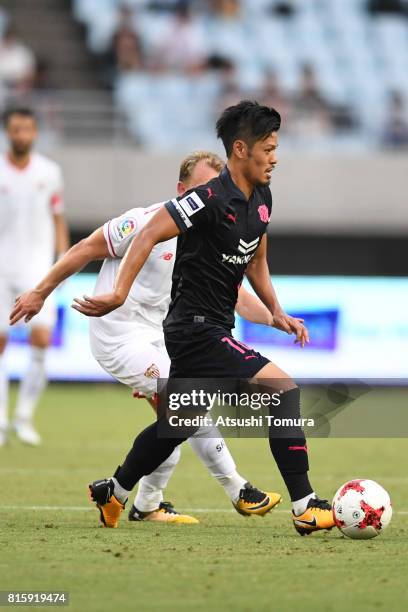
(205, 350)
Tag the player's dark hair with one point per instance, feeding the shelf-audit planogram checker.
(247, 121)
(21, 111)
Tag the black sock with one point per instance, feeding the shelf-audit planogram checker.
(288, 447)
(148, 452)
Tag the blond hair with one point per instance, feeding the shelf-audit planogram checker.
(190, 162)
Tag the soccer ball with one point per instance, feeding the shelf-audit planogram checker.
(362, 509)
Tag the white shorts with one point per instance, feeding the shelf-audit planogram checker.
(9, 290)
(137, 365)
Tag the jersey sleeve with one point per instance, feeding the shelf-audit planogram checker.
(195, 209)
(57, 193)
(269, 201)
(120, 231)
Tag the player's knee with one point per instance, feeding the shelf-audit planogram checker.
(40, 338)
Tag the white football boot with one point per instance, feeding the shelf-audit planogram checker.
(26, 433)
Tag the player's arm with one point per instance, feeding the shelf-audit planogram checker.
(57, 207)
(61, 234)
(258, 275)
(161, 228)
(251, 308)
(91, 248)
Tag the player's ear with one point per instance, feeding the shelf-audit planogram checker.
(181, 188)
(240, 149)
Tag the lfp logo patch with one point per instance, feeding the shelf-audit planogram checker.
(126, 227)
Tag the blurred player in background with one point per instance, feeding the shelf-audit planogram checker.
(128, 343)
(32, 230)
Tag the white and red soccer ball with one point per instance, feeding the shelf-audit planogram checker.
(362, 509)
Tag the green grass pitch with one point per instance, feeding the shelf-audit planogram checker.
(50, 540)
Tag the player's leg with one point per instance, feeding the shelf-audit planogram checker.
(213, 451)
(4, 384)
(148, 448)
(291, 455)
(219, 355)
(199, 351)
(32, 386)
(140, 368)
(137, 364)
(206, 442)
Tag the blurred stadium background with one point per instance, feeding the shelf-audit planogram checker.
(124, 88)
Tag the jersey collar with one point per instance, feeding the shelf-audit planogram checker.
(232, 188)
(18, 168)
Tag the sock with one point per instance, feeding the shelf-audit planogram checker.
(148, 452)
(119, 492)
(215, 455)
(4, 385)
(299, 506)
(290, 453)
(150, 491)
(232, 484)
(31, 387)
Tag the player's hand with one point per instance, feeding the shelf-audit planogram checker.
(26, 306)
(291, 325)
(97, 306)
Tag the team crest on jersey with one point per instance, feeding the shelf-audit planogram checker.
(263, 213)
(191, 204)
(126, 227)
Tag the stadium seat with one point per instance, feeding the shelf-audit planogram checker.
(355, 56)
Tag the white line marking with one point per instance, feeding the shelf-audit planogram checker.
(47, 508)
(87, 509)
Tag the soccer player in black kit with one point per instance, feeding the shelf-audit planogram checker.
(222, 236)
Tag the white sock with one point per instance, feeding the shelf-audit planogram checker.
(4, 385)
(299, 506)
(150, 492)
(119, 492)
(31, 386)
(214, 453)
(233, 483)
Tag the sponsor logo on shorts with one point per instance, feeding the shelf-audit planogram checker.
(126, 227)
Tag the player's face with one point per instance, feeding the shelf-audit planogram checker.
(261, 160)
(201, 174)
(21, 132)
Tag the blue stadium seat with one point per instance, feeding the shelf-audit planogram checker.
(356, 57)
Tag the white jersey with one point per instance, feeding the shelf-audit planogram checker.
(28, 199)
(142, 314)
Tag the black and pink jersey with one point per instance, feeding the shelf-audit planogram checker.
(221, 231)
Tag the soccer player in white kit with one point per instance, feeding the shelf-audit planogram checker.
(32, 230)
(128, 343)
